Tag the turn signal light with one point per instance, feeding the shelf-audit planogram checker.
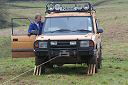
(36, 44)
(91, 43)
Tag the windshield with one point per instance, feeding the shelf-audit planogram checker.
(70, 25)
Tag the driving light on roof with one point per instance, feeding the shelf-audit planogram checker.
(57, 7)
(78, 8)
(51, 9)
(86, 7)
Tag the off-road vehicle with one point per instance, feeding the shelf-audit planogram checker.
(71, 35)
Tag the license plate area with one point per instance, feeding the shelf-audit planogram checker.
(64, 53)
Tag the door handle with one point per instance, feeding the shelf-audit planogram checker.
(15, 39)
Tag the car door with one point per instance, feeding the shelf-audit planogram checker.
(22, 44)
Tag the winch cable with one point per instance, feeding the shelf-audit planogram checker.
(29, 70)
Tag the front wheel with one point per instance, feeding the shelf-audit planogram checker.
(92, 69)
(39, 67)
(99, 60)
(93, 64)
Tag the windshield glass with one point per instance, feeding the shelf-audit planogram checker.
(70, 25)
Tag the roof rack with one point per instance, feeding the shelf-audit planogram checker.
(58, 7)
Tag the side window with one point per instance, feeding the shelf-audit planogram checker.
(20, 26)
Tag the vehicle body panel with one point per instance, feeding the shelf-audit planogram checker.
(65, 37)
(68, 14)
(22, 46)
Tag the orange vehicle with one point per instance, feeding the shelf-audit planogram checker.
(71, 35)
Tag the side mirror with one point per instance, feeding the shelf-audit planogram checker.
(100, 31)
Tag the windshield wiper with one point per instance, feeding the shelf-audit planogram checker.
(82, 30)
(60, 30)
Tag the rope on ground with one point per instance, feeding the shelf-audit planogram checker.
(29, 70)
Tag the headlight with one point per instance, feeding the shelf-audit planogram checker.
(51, 7)
(84, 43)
(42, 44)
(53, 42)
(89, 43)
(72, 42)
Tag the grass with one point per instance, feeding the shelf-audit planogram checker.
(28, 4)
(113, 72)
(113, 17)
(5, 47)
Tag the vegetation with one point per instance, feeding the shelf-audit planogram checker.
(3, 14)
(112, 16)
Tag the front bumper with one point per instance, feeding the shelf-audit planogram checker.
(68, 52)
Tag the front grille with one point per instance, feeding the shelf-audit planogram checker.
(63, 44)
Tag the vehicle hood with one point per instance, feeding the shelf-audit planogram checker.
(66, 37)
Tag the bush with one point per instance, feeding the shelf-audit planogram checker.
(3, 13)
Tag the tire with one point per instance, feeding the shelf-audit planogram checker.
(93, 60)
(99, 60)
(39, 60)
(96, 69)
(48, 65)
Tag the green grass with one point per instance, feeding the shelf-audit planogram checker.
(113, 72)
(5, 47)
(28, 4)
(112, 16)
